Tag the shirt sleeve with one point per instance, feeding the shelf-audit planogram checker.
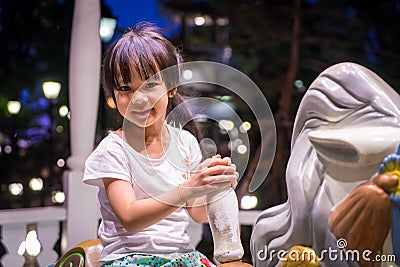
(105, 164)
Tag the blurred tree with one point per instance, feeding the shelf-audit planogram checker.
(34, 40)
(34, 44)
(283, 45)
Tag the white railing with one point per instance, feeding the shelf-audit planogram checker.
(46, 221)
(17, 222)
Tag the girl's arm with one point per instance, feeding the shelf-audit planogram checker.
(197, 207)
(136, 215)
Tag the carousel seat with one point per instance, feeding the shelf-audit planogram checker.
(86, 254)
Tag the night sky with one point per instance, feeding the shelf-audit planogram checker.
(129, 12)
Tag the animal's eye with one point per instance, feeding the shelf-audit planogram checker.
(124, 88)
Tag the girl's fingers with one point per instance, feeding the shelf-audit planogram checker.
(218, 186)
(218, 161)
(216, 182)
(216, 179)
(216, 170)
(234, 184)
(224, 178)
(212, 166)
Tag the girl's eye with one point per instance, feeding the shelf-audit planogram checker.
(124, 88)
(151, 84)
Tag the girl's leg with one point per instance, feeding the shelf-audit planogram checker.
(191, 259)
(137, 260)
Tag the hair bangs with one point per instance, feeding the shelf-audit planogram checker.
(145, 58)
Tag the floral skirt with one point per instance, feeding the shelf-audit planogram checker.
(191, 259)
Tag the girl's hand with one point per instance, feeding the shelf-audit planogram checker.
(213, 174)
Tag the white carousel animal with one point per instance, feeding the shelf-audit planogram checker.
(347, 122)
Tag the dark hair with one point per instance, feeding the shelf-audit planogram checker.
(143, 50)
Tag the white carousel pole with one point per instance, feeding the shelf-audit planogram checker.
(84, 86)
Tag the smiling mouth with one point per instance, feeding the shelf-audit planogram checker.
(141, 112)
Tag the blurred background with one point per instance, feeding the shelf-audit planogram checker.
(281, 45)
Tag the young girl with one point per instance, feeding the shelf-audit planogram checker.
(148, 172)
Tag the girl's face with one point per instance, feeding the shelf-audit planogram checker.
(143, 103)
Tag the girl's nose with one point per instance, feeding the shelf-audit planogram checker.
(139, 97)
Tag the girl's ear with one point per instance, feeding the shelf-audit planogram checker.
(172, 92)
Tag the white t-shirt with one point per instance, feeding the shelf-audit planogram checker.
(114, 158)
